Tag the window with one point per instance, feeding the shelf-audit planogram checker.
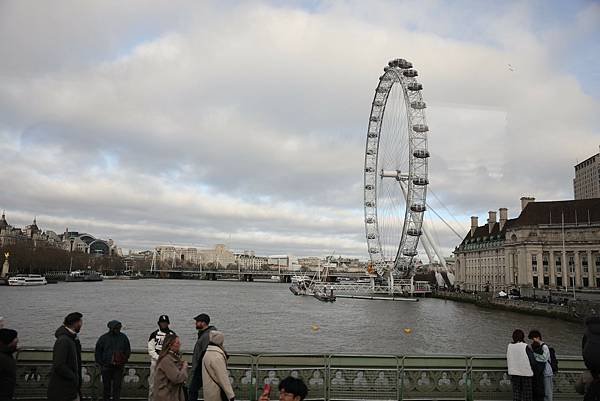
(571, 263)
(545, 262)
(558, 263)
(546, 280)
(584, 263)
(586, 282)
(559, 281)
(534, 263)
(598, 263)
(535, 282)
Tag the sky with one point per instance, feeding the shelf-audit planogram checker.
(198, 122)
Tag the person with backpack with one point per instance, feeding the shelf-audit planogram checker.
(543, 357)
(111, 354)
(519, 360)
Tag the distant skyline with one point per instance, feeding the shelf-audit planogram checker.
(244, 123)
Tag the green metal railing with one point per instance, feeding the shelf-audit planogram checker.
(335, 377)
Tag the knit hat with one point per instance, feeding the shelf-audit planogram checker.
(7, 336)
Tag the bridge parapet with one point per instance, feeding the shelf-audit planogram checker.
(329, 377)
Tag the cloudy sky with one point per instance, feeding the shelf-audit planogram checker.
(197, 122)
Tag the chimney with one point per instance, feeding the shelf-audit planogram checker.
(491, 220)
(474, 224)
(525, 201)
(503, 217)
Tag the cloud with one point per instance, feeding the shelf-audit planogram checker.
(199, 122)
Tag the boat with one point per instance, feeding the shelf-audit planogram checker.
(323, 296)
(83, 275)
(363, 281)
(27, 280)
(275, 278)
(300, 279)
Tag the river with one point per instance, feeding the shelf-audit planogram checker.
(266, 317)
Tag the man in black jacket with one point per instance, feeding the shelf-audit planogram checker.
(65, 376)
(112, 352)
(8, 365)
(204, 328)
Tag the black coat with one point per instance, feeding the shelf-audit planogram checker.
(590, 345)
(109, 346)
(65, 376)
(8, 373)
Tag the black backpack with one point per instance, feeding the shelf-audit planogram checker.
(553, 360)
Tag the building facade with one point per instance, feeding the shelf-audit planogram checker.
(549, 245)
(586, 184)
(71, 241)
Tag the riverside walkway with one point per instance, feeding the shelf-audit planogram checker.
(329, 377)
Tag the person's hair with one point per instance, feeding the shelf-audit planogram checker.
(72, 318)
(294, 386)
(533, 334)
(167, 344)
(518, 336)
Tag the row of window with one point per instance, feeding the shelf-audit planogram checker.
(570, 260)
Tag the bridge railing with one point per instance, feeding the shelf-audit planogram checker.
(334, 377)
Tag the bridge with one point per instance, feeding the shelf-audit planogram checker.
(329, 377)
(284, 276)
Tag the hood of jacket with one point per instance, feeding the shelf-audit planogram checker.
(62, 331)
(593, 324)
(216, 338)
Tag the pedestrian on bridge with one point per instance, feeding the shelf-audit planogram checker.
(519, 358)
(204, 328)
(171, 372)
(65, 376)
(215, 376)
(290, 389)
(8, 365)
(155, 346)
(111, 354)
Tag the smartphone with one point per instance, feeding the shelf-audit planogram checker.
(267, 389)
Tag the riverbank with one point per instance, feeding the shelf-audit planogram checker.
(574, 311)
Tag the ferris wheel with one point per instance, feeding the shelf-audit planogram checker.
(395, 182)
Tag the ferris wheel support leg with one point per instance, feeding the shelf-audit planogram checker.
(391, 283)
(435, 248)
(427, 248)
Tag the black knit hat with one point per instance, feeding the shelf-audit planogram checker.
(7, 336)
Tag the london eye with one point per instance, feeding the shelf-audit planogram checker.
(396, 173)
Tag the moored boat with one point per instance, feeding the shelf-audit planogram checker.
(27, 280)
(83, 275)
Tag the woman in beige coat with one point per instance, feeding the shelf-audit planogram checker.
(215, 377)
(171, 372)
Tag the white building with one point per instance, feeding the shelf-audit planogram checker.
(549, 245)
(586, 184)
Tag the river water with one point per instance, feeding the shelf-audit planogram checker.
(266, 317)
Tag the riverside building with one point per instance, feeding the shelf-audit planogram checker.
(552, 244)
(586, 183)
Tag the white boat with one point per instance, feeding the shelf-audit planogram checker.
(363, 281)
(27, 280)
(301, 279)
(275, 278)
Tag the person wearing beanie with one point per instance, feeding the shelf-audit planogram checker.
(8, 365)
(111, 354)
(155, 346)
(204, 328)
(215, 377)
(65, 375)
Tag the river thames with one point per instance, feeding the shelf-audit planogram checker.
(266, 317)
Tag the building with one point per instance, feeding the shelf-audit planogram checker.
(176, 256)
(247, 260)
(586, 184)
(71, 241)
(549, 245)
(284, 262)
(219, 256)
